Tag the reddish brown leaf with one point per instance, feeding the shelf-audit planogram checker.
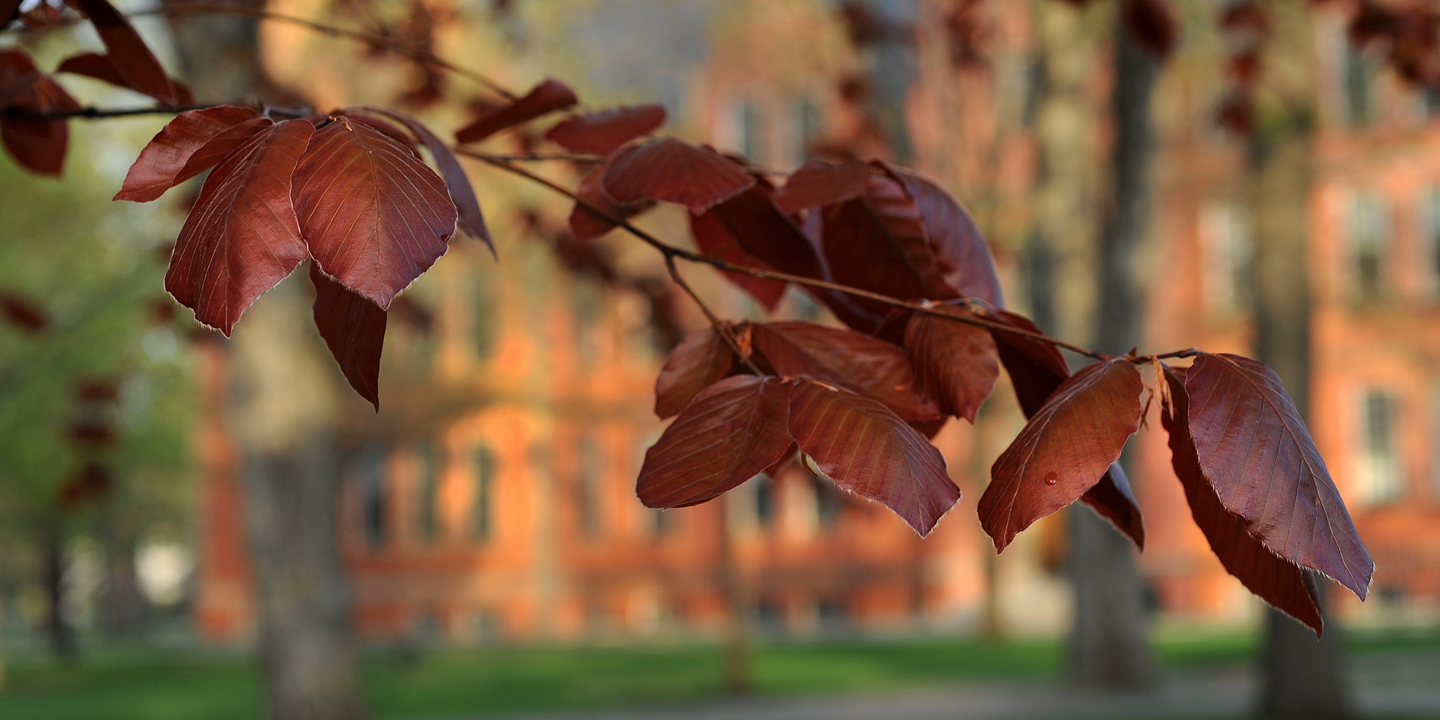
(732, 431)
(820, 183)
(130, 55)
(767, 234)
(23, 314)
(1064, 450)
(1256, 451)
(471, 220)
(97, 391)
(1112, 499)
(960, 251)
(1036, 368)
(879, 243)
(241, 237)
(1152, 24)
(353, 328)
(867, 449)
(698, 362)
(543, 99)
(856, 361)
(373, 216)
(586, 224)
(195, 141)
(36, 144)
(602, 132)
(673, 170)
(954, 363)
(102, 67)
(1276, 580)
(715, 240)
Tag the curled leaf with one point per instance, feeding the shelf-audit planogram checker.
(193, 142)
(867, 365)
(585, 223)
(602, 132)
(103, 67)
(954, 362)
(965, 263)
(353, 328)
(715, 240)
(672, 170)
(698, 362)
(543, 99)
(732, 431)
(129, 54)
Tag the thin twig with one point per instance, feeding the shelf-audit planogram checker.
(95, 113)
(721, 328)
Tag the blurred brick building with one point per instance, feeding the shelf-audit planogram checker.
(494, 497)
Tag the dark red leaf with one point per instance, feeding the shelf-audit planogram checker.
(1064, 450)
(1276, 580)
(955, 363)
(1152, 24)
(471, 220)
(543, 99)
(132, 59)
(854, 360)
(602, 132)
(768, 234)
(715, 240)
(1036, 368)
(586, 224)
(673, 170)
(97, 391)
(241, 237)
(92, 433)
(353, 328)
(23, 314)
(36, 144)
(1112, 499)
(102, 67)
(820, 183)
(1255, 450)
(732, 431)
(373, 216)
(963, 257)
(698, 362)
(867, 449)
(195, 141)
(9, 10)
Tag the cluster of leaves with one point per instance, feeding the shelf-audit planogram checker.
(895, 257)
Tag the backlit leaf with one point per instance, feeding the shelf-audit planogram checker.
(129, 54)
(602, 132)
(102, 67)
(954, 363)
(373, 215)
(698, 362)
(1255, 450)
(543, 99)
(1277, 581)
(195, 141)
(585, 224)
(672, 170)
(462, 193)
(241, 236)
(820, 183)
(732, 431)
(354, 330)
(963, 257)
(36, 144)
(1065, 449)
(867, 449)
(867, 365)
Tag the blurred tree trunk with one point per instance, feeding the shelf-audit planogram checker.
(283, 415)
(123, 608)
(1301, 677)
(57, 630)
(1108, 643)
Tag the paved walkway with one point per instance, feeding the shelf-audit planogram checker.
(1403, 684)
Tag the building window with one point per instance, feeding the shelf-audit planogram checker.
(809, 129)
(1379, 471)
(1430, 241)
(482, 511)
(427, 490)
(764, 489)
(588, 301)
(1228, 248)
(1368, 232)
(829, 501)
(588, 486)
(747, 125)
(371, 469)
(1360, 71)
(483, 318)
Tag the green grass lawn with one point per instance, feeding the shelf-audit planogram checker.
(153, 685)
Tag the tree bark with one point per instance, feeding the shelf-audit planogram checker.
(1108, 640)
(58, 631)
(283, 416)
